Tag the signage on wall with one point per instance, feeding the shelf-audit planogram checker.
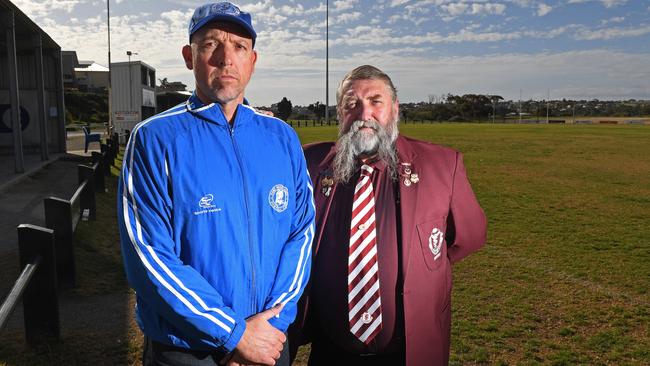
(5, 118)
(148, 98)
(127, 116)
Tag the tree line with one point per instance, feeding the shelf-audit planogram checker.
(482, 107)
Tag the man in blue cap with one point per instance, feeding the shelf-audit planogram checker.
(216, 239)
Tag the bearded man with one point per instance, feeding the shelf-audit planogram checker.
(393, 215)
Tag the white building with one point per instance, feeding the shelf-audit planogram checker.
(133, 95)
(91, 76)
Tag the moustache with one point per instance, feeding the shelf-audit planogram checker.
(359, 124)
(225, 72)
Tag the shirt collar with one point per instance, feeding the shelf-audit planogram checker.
(376, 164)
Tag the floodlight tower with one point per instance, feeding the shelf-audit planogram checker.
(327, 63)
(109, 126)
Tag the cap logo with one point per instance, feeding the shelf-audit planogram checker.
(226, 8)
(222, 12)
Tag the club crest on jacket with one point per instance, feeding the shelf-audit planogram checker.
(279, 197)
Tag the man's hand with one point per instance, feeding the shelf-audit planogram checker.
(261, 343)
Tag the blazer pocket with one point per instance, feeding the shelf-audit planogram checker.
(432, 242)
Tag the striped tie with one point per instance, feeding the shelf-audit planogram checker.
(364, 302)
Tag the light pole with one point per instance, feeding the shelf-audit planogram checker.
(129, 53)
(327, 63)
(574, 112)
(519, 105)
(547, 101)
(109, 128)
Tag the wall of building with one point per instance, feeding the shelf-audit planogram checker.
(29, 103)
(132, 94)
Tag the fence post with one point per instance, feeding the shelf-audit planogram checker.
(58, 217)
(99, 170)
(106, 157)
(88, 194)
(40, 301)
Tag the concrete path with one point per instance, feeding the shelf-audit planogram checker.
(21, 197)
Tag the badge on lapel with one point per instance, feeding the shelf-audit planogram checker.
(326, 184)
(406, 174)
(435, 242)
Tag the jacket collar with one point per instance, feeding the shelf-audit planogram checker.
(212, 112)
(405, 152)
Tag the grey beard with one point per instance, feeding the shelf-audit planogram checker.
(354, 144)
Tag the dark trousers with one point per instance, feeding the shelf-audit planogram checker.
(327, 354)
(158, 354)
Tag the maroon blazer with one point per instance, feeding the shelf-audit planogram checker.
(442, 223)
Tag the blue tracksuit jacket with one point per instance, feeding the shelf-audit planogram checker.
(216, 223)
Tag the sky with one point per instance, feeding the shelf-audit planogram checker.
(574, 49)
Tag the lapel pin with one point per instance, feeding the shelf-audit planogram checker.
(326, 185)
(408, 175)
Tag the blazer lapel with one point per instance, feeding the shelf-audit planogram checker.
(408, 197)
(321, 199)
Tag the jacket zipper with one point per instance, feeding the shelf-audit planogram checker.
(250, 236)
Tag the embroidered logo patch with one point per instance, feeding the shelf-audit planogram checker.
(435, 242)
(205, 203)
(279, 197)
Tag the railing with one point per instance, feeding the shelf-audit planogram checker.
(63, 215)
(36, 285)
(47, 254)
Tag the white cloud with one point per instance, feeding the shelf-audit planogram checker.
(346, 17)
(255, 8)
(611, 33)
(612, 3)
(522, 3)
(606, 3)
(340, 5)
(612, 20)
(321, 8)
(291, 43)
(589, 74)
(487, 9)
(42, 8)
(456, 9)
(395, 3)
(543, 9)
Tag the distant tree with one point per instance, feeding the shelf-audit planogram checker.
(318, 109)
(284, 109)
(166, 85)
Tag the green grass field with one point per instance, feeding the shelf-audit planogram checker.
(563, 279)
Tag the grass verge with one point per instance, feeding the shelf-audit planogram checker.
(563, 280)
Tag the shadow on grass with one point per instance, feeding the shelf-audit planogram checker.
(97, 321)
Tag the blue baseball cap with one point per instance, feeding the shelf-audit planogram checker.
(223, 11)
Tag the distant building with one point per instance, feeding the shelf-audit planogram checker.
(133, 94)
(32, 108)
(69, 62)
(91, 76)
(170, 94)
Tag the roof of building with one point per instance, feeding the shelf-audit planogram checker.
(25, 28)
(92, 67)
